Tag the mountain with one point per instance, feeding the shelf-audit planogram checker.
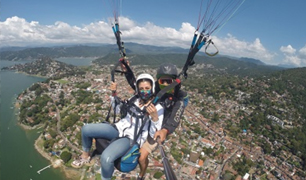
(241, 67)
(251, 60)
(98, 50)
(146, 55)
(287, 65)
(56, 52)
(205, 64)
(12, 48)
(148, 49)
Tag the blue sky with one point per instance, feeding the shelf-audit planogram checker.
(272, 31)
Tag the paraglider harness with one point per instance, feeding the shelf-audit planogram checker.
(129, 161)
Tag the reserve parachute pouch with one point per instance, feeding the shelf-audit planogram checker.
(129, 161)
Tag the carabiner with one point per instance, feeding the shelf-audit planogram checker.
(208, 43)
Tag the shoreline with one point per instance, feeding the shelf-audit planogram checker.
(25, 127)
(21, 72)
(69, 173)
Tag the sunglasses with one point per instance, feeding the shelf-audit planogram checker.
(165, 80)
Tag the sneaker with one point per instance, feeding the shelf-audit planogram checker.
(140, 178)
(80, 161)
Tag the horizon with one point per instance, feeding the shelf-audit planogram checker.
(20, 48)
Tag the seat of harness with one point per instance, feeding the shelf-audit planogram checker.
(130, 108)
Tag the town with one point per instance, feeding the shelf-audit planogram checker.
(208, 144)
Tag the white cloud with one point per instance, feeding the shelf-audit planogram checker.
(302, 52)
(17, 31)
(288, 49)
(151, 34)
(232, 46)
(294, 57)
(292, 60)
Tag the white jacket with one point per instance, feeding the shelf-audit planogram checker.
(126, 125)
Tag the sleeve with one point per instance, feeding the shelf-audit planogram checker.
(173, 119)
(155, 126)
(183, 96)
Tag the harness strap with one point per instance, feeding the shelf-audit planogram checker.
(135, 131)
(165, 90)
(117, 102)
(144, 121)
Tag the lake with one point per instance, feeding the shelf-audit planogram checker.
(18, 158)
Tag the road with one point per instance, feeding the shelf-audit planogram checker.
(219, 171)
(58, 129)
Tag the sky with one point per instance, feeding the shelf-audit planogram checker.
(272, 31)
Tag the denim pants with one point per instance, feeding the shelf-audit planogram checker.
(115, 150)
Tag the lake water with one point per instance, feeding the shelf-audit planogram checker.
(18, 158)
(76, 61)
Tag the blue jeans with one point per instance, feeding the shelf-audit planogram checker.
(115, 150)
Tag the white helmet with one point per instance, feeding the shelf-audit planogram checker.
(147, 77)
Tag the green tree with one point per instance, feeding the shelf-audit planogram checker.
(48, 143)
(158, 175)
(215, 118)
(53, 133)
(69, 121)
(65, 156)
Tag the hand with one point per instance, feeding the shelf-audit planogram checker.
(151, 109)
(113, 87)
(123, 68)
(162, 134)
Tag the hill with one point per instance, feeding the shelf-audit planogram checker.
(294, 82)
(217, 64)
(139, 54)
(56, 52)
(255, 61)
(15, 54)
(46, 67)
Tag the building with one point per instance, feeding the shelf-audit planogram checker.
(207, 143)
(194, 156)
